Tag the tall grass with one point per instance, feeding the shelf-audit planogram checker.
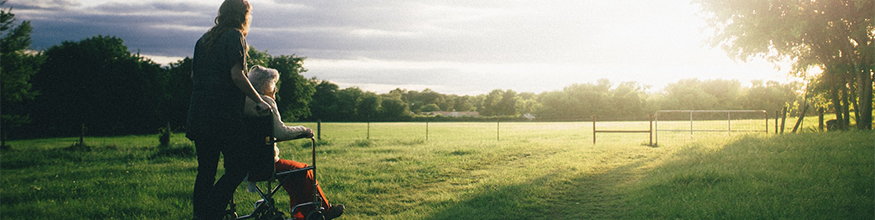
(800, 176)
(471, 171)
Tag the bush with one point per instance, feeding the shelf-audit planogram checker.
(164, 135)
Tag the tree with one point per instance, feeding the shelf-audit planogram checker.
(394, 108)
(769, 96)
(348, 101)
(508, 104)
(98, 83)
(688, 94)
(833, 35)
(295, 92)
(294, 98)
(576, 101)
(491, 103)
(627, 100)
(16, 69)
(255, 57)
(369, 106)
(431, 108)
(463, 104)
(527, 103)
(175, 92)
(324, 104)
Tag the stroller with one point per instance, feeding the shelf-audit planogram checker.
(259, 133)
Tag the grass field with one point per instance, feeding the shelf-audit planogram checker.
(473, 171)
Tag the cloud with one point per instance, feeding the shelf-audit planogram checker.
(165, 29)
(45, 4)
(452, 46)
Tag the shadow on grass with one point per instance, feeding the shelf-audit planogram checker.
(800, 176)
(553, 195)
(795, 176)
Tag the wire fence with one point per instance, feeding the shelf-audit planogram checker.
(468, 131)
(667, 126)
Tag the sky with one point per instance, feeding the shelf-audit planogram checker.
(464, 47)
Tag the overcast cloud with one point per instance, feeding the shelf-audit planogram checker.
(457, 47)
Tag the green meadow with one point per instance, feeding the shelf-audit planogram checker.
(513, 170)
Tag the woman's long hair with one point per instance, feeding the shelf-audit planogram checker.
(233, 14)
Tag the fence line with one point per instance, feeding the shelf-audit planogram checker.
(733, 121)
(649, 130)
(712, 115)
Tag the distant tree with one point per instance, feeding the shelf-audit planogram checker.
(176, 92)
(428, 96)
(834, 35)
(463, 104)
(554, 105)
(295, 92)
(348, 101)
(601, 99)
(447, 102)
(726, 92)
(324, 103)
(394, 108)
(688, 94)
(418, 100)
(527, 103)
(368, 107)
(396, 93)
(628, 101)
(431, 108)
(491, 103)
(17, 65)
(768, 96)
(256, 57)
(508, 104)
(98, 83)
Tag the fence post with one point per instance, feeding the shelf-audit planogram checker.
(777, 113)
(651, 130)
(729, 122)
(593, 129)
(691, 124)
(82, 136)
(319, 129)
(783, 118)
(820, 119)
(656, 127)
(498, 128)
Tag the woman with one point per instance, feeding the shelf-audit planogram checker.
(264, 80)
(215, 113)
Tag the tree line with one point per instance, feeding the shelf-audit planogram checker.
(98, 86)
(97, 83)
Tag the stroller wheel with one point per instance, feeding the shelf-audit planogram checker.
(315, 215)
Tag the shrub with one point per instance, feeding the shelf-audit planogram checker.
(164, 136)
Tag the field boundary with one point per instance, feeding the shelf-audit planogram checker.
(693, 118)
(649, 130)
